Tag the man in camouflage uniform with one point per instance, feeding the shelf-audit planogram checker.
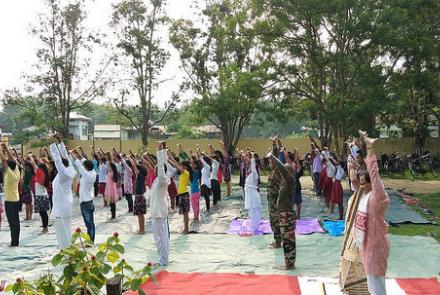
(273, 187)
(287, 216)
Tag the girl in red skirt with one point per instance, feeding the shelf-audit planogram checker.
(337, 194)
(322, 176)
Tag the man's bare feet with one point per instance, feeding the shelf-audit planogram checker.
(141, 232)
(44, 231)
(285, 267)
(274, 245)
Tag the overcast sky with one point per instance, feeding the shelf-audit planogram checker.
(18, 46)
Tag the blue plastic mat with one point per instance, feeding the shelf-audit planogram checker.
(334, 228)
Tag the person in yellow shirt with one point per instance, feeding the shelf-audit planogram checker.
(185, 174)
(11, 177)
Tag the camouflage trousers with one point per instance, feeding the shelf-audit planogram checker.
(287, 226)
(274, 217)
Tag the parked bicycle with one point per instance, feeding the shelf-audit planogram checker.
(420, 165)
(396, 163)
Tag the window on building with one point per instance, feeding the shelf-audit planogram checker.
(85, 130)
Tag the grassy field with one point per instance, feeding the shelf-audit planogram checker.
(408, 176)
(432, 213)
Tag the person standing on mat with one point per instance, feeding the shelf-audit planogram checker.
(205, 188)
(86, 191)
(252, 199)
(62, 192)
(286, 211)
(371, 230)
(11, 177)
(159, 206)
(273, 188)
(185, 174)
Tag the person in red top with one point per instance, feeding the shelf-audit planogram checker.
(41, 198)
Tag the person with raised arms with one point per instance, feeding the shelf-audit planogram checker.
(11, 177)
(371, 230)
(86, 191)
(286, 211)
(62, 192)
(159, 206)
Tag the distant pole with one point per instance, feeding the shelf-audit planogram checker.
(120, 138)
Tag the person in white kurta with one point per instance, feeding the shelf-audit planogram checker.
(159, 209)
(252, 200)
(62, 195)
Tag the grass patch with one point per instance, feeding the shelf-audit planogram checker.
(427, 230)
(430, 212)
(408, 176)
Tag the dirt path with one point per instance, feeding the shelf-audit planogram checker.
(415, 187)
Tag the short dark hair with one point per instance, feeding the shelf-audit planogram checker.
(88, 165)
(365, 174)
(65, 162)
(11, 164)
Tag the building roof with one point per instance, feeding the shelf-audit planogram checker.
(208, 129)
(105, 127)
(76, 116)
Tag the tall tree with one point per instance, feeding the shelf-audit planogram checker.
(414, 88)
(63, 83)
(138, 26)
(327, 52)
(225, 65)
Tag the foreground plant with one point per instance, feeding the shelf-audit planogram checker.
(86, 272)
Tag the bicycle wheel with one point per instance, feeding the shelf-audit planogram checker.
(431, 168)
(411, 170)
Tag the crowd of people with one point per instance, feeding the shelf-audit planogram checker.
(44, 184)
(167, 181)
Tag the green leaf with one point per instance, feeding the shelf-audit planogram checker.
(118, 248)
(100, 256)
(106, 268)
(135, 284)
(69, 271)
(102, 247)
(85, 236)
(111, 240)
(9, 288)
(56, 260)
(141, 292)
(112, 256)
(93, 289)
(117, 269)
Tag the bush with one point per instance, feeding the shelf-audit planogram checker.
(85, 272)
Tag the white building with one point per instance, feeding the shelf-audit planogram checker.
(389, 132)
(433, 126)
(106, 132)
(79, 126)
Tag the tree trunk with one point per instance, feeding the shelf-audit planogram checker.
(144, 134)
(420, 140)
(228, 142)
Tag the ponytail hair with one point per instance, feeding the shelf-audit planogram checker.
(116, 176)
(43, 167)
(188, 167)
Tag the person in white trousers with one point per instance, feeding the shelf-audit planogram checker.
(159, 207)
(62, 192)
(252, 200)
